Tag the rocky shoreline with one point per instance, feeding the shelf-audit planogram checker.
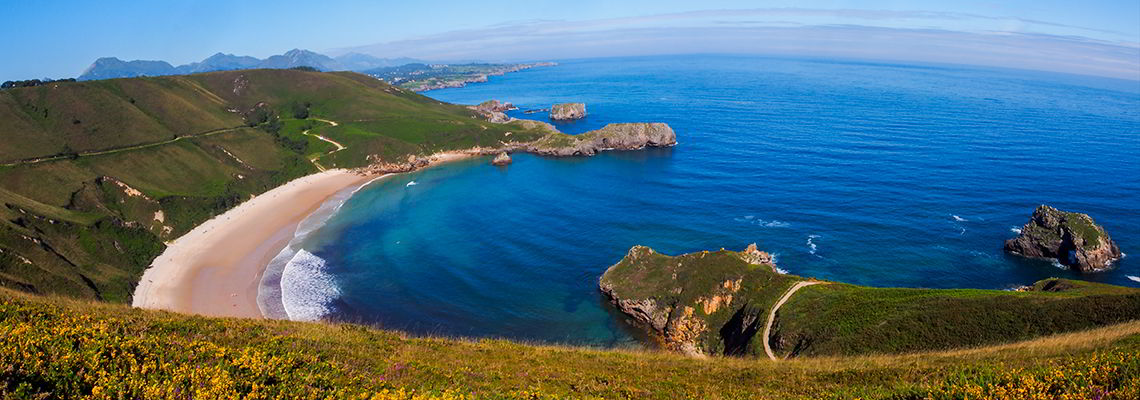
(622, 136)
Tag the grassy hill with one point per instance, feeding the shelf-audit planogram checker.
(95, 176)
(76, 349)
(719, 303)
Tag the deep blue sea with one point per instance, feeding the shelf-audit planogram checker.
(867, 173)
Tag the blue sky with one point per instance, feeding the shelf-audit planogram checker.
(61, 38)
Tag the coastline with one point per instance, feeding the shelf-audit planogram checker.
(216, 269)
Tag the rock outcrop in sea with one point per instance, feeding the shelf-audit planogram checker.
(568, 111)
(1072, 239)
(625, 136)
(501, 160)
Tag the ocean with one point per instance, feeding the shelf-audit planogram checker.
(868, 173)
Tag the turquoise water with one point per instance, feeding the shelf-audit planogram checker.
(874, 174)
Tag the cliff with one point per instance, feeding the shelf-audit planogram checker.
(627, 136)
(568, 111)
(719, 302)
(1073, 239)
(699, 303)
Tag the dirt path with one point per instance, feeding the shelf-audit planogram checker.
(772, 315)
(339, 146)
(122, 149)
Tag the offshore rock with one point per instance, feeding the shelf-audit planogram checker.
(1073, 239)
(502, 159)
(568, 111)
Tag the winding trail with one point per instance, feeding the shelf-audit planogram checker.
(339, 146)
(122, 149)
(772, 315)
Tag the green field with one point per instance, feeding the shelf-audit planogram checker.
(96, 175)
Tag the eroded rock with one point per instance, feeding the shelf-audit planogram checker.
(568, 111)
(1072, 239)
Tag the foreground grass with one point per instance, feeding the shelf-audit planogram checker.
(65, 348)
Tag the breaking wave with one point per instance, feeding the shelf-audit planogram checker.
(959, 219)
(294, 277)
(1015, 230)
(1133, 278)
(751, 219)
(811, 244)
(1058, 264)
(307, 288)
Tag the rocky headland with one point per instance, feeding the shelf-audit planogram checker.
(700, 303)
(1072, 239)
(735, 303)
(567, 111)
(625, 136)
(494, 110)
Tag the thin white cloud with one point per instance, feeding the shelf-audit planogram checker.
(866, 34)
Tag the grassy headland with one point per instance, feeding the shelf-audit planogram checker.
(719, 302)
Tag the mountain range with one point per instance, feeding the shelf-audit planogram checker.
(111, 67)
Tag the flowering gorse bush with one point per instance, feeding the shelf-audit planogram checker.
(72, 356)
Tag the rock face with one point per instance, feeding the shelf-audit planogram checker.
(630, 136)
(1073, 239)
(568, 111)
(502, 159)
(494, 105)
(700, 303)
(494, 110)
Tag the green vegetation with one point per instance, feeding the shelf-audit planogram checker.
(700, 293)
(75, 349)
(1083, 225)
(96, 175)
(840, 319)
(718, 303)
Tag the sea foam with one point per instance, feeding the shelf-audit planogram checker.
(1134, 278)
(811, 244)
(292, 268)
(307, 288)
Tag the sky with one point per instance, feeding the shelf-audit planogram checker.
(56, 39)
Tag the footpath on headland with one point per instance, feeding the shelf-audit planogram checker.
(772, 315)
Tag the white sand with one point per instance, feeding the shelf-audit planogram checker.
(216, 268)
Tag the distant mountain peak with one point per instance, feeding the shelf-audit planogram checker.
(113, 67)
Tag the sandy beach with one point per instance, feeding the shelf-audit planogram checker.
(216, 268)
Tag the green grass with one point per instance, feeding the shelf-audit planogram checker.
(1083, 226)
(84, 235)
(837, 319)
(74, 349)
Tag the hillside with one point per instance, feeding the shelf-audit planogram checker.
(96, 175)
(720, 302)
(76, 349)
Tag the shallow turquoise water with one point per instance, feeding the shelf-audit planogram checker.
(873, 174)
